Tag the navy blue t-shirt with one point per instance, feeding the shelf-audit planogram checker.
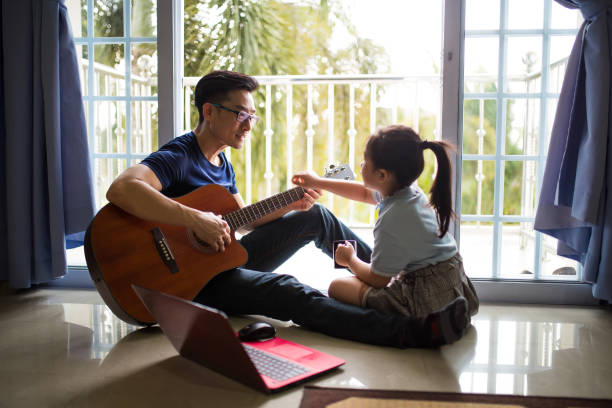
(181, 167)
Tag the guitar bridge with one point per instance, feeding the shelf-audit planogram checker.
(163, 249)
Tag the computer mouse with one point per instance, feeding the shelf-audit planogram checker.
(257, 331)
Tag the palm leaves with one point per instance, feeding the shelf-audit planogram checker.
(274, 37)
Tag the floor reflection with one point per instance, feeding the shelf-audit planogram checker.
(103, 327)
(509, 352)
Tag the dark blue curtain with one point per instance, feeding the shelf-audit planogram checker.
(575, 201)
(45, 184)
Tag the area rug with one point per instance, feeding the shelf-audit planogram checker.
(319, 397)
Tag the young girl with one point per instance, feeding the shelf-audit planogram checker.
(415, 268)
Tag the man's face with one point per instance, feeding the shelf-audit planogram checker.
(224, 124)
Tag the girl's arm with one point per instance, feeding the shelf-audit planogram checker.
(345, 256)
(348, 189)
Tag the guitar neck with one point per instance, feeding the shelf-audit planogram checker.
(251, 213)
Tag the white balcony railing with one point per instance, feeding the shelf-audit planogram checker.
(383, 98)
(107, 107)
(414, 89)
(111, 138)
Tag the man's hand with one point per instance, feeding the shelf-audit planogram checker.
(306, 179)
(212, 229)
(306, 202)
(344, 254)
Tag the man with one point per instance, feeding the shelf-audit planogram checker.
(226, 117)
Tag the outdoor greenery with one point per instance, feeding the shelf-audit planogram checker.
(280, 37)
(277, 37)
(513, 170)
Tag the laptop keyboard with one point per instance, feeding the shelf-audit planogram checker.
(274, 367)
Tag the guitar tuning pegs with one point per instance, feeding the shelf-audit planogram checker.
(332, 166)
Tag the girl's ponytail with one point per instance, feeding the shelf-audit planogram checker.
(441, 199)
(399, 149)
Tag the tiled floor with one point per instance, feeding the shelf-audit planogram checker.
(63, 348)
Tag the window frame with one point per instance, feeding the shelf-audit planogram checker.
(170, 110)
(170, 74)
(78, 276)
(496, 289)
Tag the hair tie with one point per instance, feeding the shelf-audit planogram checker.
(425, 145)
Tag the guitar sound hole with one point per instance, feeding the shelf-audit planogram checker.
(197, 243)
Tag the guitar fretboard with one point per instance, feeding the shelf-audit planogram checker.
(251, 213)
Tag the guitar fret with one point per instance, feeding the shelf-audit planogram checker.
(253, 212)
(231, 221)
(259, 208)
(265, 206)
(275, 202)
(227, 219)
(267, 202)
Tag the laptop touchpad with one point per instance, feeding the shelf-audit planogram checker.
(290, 351)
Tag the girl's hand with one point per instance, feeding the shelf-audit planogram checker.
(344, 254)
(306, 179)
(306, 202)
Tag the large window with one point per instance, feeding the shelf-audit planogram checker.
(331, 73)
(514, 62)
(353, 75)
(116, 42)
(117, 45)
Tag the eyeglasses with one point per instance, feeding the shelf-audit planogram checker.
(241, 116)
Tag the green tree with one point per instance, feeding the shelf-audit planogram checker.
(512, 169)
(275, 37)
(108, 21)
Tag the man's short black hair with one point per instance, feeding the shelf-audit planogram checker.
(215, 86)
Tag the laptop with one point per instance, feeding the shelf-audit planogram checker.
(204, 335)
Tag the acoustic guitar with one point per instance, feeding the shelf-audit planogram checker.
(122, 249)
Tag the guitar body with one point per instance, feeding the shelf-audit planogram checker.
(122, 249)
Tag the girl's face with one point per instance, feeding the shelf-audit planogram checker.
(368, 173)
(377, 179)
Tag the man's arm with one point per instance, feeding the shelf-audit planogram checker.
(138, 191)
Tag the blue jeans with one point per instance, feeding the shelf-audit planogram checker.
(253, 290)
